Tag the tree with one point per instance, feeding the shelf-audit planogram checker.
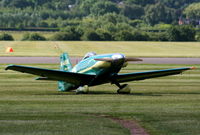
(104, 35)
(91, 35)
(20, 3)
(132, 11)
(141, 2)
(124, 35)
(103, 7)
(155, 14)
(193, 11)
(181, 33)
(85, 6)
(178, 4)
(33, 37)
(68, 34)
(6, 36)
(139, 36)
(197, 37)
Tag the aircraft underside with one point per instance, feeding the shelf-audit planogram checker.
(123, 89)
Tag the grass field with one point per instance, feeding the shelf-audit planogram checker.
(137, 49)
(18, 35)
(164, 106)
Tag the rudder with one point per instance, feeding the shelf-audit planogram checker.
(65, 65)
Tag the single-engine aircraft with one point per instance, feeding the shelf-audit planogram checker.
(94, 70)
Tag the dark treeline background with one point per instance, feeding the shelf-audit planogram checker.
(99, 19)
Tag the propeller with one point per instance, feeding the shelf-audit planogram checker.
(132, 59)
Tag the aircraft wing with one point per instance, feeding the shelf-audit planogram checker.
(70, 77)
(149, 74)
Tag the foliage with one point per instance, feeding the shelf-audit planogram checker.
(126, 35)
(193, 11)
(158, 13)
(158, 36)
(103, 7)
(132, 11)
(181, 33)
(6, 36)
(106, 18)
(104, 35)
(33, 37)
(68, 34)
(44, 13)
(91, 35)
(197, 36)
(65, 36)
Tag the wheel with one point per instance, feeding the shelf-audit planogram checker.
(125, 89)
(82, 90)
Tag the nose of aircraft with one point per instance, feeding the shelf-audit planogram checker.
(118, 56)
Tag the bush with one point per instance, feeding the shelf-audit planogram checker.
(131, 36)
(6, 36)
(69, 34)
(158, 36)
(104, 35)
(91, 35)
(181, 33)
(62, 36)
(33, 37)
(139, 36)
(124, 36)
(197, 37)
(136, 22)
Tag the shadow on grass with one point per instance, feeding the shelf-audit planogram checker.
(99, 93)
(115, 93)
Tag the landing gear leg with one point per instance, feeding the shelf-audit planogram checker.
(82, 90)
(123, 89)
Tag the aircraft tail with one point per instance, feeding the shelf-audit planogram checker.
(65, 65)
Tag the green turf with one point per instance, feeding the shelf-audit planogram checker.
(18, 35)
(164, 106)
(137, 49)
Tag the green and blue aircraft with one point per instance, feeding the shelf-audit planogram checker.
(94, 70)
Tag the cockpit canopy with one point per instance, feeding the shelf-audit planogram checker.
(89, 54)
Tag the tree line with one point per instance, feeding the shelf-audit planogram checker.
(62, 13)
(128, 20)
(174, 33)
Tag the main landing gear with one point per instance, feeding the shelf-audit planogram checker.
(123, 89)
(82, 90)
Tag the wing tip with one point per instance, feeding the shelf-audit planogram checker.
(8, 67)
(193, 67)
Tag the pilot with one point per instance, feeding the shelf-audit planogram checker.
(89, 54)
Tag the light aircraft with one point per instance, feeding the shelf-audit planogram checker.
(94, 70)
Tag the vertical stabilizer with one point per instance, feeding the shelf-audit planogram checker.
(65, 65)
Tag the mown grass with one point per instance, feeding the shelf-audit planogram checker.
(79, 48)
(164, 106)
(18, 35)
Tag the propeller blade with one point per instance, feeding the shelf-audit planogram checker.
(132, 59)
